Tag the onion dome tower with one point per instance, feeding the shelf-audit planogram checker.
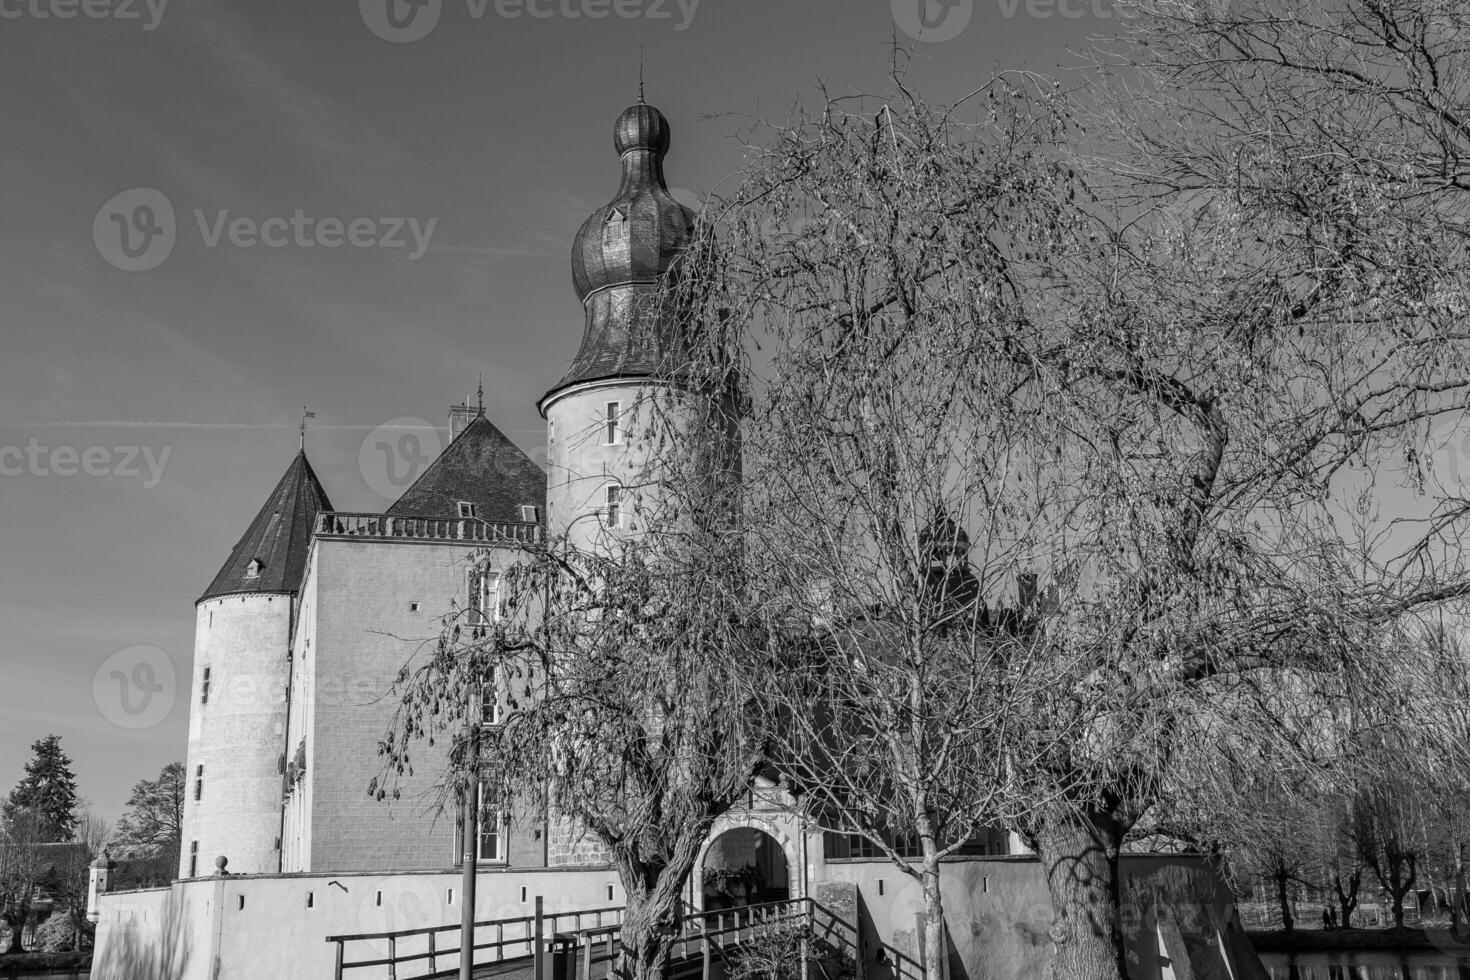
(237, 703)
(593, 413)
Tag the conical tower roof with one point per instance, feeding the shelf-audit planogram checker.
(481, 467)
(271, 556)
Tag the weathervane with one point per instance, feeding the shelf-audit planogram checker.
(481, 393)
(305, 414)
(640, 74)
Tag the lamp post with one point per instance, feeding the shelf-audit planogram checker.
(470, 835)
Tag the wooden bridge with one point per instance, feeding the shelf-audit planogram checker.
(582, 945)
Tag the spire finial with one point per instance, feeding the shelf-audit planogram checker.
(305, 414)
(640, 74)
(480, 412)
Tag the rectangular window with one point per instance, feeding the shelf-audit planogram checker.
(193, 859)
(204, 688)
(489, 702)
(612, 423)
(487, 597)
(492, 841)
(614, 506)
(530, 514)
(466, 509)
(198, 784)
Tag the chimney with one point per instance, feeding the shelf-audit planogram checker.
(460, 417)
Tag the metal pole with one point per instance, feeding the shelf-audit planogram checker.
(538, 956)
(470, 836)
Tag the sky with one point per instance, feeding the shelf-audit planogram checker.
(216, 213)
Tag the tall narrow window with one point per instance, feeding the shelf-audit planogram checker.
(489, 701)
(487, 596)
(204, 688)
(198, 784)
(612, 423)
(614, 505)
(193, 859)
(492, 842)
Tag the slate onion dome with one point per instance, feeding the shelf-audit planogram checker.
(618, 257)
(634, 237)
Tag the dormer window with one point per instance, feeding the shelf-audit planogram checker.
(530, 513)
(616, 230)
(252, 570)
(466, 509)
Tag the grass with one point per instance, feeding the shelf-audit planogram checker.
(19, 964)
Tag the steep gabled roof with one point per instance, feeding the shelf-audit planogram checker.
(277, 540)
(483, 467)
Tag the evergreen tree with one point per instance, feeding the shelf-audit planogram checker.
(49, 790)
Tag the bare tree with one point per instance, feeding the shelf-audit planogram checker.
(616, 668)
(23, 869)
(1196, 398)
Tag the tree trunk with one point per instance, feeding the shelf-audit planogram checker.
(1347, 899)
(936, 951)
(651, 914)
(17, 923)
(1282, 880)
(1079, 854)
(1457, 905)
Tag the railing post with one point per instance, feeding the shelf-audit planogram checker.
(433, 965)
(585, 968)
(392, 958)
(538, 955)
(708, 957)
(338, 974)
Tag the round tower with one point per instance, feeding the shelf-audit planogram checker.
(598, 414)
(238, 700)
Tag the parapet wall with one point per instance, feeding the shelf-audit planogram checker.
(245, 927)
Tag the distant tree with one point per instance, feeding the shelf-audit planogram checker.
(151, 830)
(23, 868)
(48, 790)
(1386, 831)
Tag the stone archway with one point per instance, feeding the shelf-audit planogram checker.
(762, 849)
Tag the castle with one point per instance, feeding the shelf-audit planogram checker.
(302, 632)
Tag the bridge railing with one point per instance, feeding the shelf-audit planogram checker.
(406, 954)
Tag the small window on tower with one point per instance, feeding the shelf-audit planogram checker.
(616, 229)
(204, 688)
(252, 570)
(612, 423)
(614, 505)
(466, 509)
(193, 858)
(198, 784)
(530, 513)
